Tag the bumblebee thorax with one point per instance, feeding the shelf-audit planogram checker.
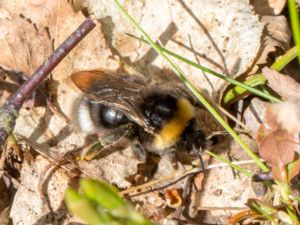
(169, 116)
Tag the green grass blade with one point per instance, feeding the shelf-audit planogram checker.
(295, 24)
(194, 90)
(238, 168)
(285, 59)
(219, 75)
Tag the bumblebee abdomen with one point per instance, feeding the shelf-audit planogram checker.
(93, 116)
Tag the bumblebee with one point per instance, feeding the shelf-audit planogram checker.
(156, 115)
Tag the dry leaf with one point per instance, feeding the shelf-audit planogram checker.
(254, 115)
(5, 197)
(29, 206)
(276, 40)
(268, 126)
(287, 115)
(196, 30)
(278, 32)
(23, 47)
(279, 173)
(198, 181)
(278, 148)
(4, 216)
(173, 198)
(268, 7)
(284, 85)
(23, 38)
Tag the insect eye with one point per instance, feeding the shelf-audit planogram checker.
(111, 117)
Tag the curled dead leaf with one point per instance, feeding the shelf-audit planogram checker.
(173, 198)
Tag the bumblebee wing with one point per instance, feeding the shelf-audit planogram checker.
(121, 91)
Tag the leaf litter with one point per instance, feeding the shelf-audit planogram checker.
(227, 36)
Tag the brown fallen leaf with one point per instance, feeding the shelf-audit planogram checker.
(276, 39)
(279, 173)
(278, 140)
(278, 148)
(198, 181)
(268, 126)
(268, 7)
(4, 216)
(23, 47)
(278, 32)
(284, 85)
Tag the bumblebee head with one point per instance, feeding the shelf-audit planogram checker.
(193, 138)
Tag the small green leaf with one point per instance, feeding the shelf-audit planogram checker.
(239, 91)
(103, 194)
(101, 204)
(295, 24)
(84, 209)
(293, 169)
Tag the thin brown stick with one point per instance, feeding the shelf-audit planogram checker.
(176, 176)
(9, 112)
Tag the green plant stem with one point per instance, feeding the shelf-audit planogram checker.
(295, 24)
(194, 90)
(238, 91)
(285, 193)
(285, 59)
(238, 168)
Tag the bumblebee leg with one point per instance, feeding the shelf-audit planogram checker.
(113, 139)
(200, 159)
(138, 150)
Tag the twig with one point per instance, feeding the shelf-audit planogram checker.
(9, 112)
(176, 176)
